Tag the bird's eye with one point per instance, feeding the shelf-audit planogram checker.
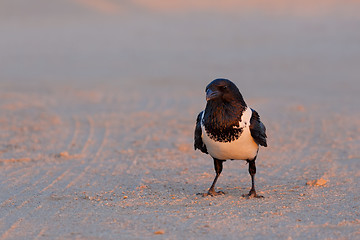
(223, 87)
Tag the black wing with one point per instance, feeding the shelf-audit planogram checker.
(257, 129)
(198, 142)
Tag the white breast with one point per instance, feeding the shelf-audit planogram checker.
(243, 148)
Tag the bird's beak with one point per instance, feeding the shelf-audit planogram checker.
(210, 94)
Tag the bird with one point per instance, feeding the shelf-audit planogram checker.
(229, 130)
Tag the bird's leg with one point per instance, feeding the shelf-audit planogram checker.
(218, 165)
(252, 171)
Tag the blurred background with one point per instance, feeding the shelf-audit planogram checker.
(286, 47)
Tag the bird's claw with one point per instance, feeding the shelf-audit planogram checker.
(252, 194)
(211, 193)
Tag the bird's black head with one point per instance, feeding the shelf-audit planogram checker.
(223, 90)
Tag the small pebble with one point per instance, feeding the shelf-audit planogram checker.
(159, 232)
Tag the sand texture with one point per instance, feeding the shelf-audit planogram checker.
(98, 102)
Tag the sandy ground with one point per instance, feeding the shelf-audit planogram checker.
(98, 101)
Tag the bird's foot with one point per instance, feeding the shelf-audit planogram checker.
(252, 194)
(212, 193)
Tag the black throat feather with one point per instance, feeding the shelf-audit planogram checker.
(221, 120)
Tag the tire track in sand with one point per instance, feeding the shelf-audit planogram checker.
(41, 176)
(84, 168)
(68, 169)
(33, 173)
(63, 173)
